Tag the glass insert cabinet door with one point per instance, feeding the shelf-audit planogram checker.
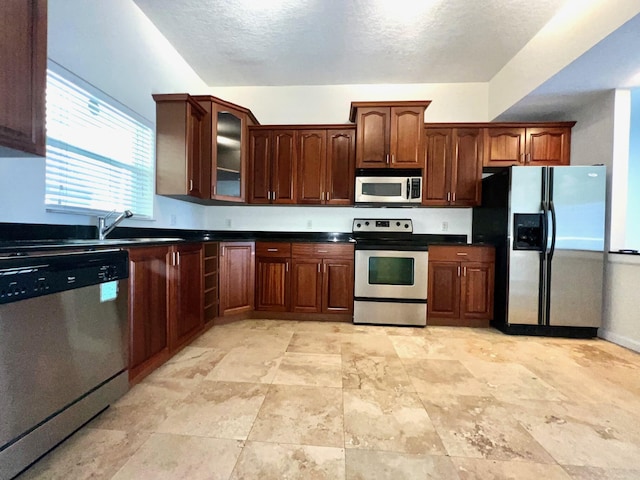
(391, 270)
(229, 161)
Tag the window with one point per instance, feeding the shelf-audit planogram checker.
(99, 158)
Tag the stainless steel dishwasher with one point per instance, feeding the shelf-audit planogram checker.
(63, 348)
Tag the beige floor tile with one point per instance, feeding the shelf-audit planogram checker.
(480, 469)
(269, 461)
(89, 454)
(375, 373)
(511, 380)
(595, 473)
(189, 363)
(599, 435)
(443, 378)
(405, 331)
(145, 406)
(300, 415)
(217, 409)
(312, 342)
(320, 327)
(375, 345)
(377, 420)
(310, 369)
(248, 338)
(379, 465)
(244, 364)
(176, 457)
(480, 427)
(420, 347)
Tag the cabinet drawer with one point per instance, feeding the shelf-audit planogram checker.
(461, 253)
(273, 249)
(322, 250)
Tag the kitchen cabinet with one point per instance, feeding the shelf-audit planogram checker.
(460, 285)
(186, 308)
(389, 134)
(23, 56)
(453, 169)
(210, 272)
(237, 277)
(273, 165)
(273, 264)
(225, 145)
(530, 144)
(326, 166)
(323, 277)
(165, 303)
(182, 172)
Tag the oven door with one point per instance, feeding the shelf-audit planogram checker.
(391, 274)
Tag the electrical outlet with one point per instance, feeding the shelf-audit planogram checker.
(445, 226)
(173, 220)
(309, 224)
(227, 222)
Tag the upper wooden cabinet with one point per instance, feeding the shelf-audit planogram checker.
(23, 57)
(530, 144)
(181, 169)
(453, 169)
(326, 166)
(389, 134)
(225, 146)
(273, 166)
(201, 148)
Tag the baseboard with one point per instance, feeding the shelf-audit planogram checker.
(619, 339)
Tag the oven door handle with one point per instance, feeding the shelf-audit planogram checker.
(408, 188)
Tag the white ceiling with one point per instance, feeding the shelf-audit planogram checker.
(334, 42)
(337, 42)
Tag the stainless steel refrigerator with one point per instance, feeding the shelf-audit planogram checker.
(547, 224)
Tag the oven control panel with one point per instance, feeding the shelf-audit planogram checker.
(404, 225)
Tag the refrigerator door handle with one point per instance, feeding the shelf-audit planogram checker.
(553, 230)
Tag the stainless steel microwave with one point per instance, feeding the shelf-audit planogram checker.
(389, 187)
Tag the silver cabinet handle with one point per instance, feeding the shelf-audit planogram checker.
(318, 268)
(272, 249)
(461, 254)
(454, 196)
(328, 197)
(190, 185)
(178, 258)
(387, 158)
(323, 251)
(464, 271)
(286, 267)
(448, 196)
(458, 270)
(393, 159)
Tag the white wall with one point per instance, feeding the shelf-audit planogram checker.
(113, 46)
(455, 102)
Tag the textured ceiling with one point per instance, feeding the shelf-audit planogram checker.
(332, 42)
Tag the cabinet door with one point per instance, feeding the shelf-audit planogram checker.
(443, 291)
(187, 308)
(259, 166)
(228, 159)
(148, 307)
(283, 166)
(548, 146)
(372, 137)
(306, 285)
(406, 137)
(466, 178)
(198, 170)
(272, 284)
(23, 56)
(477, 291)
(504, 146)
(437, 174)
(337, 286)
(340, 172)
(237, 273)
(312, 162)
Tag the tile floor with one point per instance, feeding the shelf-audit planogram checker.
(263, 399)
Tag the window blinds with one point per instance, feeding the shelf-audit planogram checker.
(98, 157)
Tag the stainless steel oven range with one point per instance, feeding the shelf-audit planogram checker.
(390, 273)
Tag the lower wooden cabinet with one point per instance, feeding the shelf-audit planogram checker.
(165, 303)
(237, 277)
(304, 277)
(460, 285)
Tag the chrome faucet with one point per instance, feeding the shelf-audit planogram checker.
(104, 230)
